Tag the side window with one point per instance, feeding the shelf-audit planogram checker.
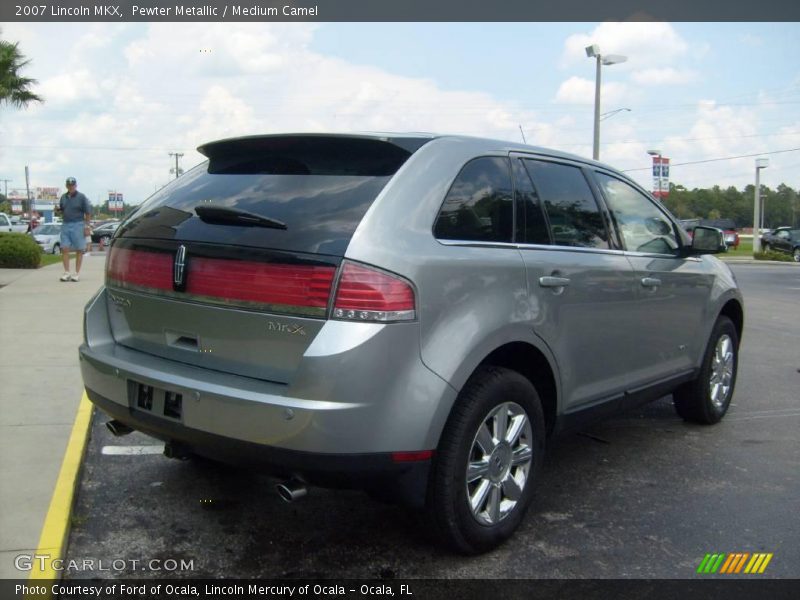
(644, 227)
(479, 204)
(575, 219)
(3, 221)
(531, 224)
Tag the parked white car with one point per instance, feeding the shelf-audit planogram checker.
(48, 236)
(6, 225)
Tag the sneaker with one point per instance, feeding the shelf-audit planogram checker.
(74, 277)
(65, 276)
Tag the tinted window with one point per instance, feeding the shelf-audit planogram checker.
(643, 226)
(575, 219)
(320, 187)
(478, 205)
(321, 212)
(531, 224)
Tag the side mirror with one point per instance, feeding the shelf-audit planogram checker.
(708, 240)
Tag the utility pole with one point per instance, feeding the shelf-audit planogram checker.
(5, 181)
(177, 170)
(28, 193)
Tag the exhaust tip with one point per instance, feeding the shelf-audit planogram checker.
(117, 428)
(292, 490)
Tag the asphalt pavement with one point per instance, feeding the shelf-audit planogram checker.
(643, 495)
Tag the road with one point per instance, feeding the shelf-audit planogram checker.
(644, 495)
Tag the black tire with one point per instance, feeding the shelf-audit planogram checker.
(693, 400)
(447, 504)
(796, 255)
(56, 249)
(765, 247)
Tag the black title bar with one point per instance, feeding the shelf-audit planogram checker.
(399, 10)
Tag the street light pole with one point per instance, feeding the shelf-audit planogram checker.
(596, 139)
(761, 163)
(593, 51)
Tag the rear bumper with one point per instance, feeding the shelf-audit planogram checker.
(354, 401)
(406, 481)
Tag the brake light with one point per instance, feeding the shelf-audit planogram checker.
(263, 283)
(366, 294)
(134, 268)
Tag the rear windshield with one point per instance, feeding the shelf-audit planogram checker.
(321, 197)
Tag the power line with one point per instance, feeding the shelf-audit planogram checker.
(698, 162)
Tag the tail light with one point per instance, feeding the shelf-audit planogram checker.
(366, 294)
(290, 288)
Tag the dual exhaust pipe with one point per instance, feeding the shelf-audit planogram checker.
(289, 490)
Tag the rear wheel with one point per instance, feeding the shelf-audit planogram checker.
(796, 255)
(487, 462)
(56, 249)
(706, 399)
(765, 247)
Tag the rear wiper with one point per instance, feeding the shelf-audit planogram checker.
(221, 215)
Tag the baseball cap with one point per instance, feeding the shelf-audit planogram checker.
(71, 181)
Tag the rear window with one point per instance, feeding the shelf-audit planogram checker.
(320, 188)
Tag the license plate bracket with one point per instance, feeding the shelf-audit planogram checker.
(153, 400)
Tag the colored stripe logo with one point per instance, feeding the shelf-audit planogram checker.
(734, 563)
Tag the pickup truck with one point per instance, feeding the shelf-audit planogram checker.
(7, 226)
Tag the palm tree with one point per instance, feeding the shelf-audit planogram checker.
(14, 89)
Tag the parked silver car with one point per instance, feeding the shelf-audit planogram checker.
(414, 315)
(48, 236)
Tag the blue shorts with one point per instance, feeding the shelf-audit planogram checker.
(72, 236)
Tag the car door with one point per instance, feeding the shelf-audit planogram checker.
(580, 286)
(782, 241)
(673, 290)
(4, 224)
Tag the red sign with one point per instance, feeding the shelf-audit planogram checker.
(660, 177)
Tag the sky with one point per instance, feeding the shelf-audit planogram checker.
(120, 97)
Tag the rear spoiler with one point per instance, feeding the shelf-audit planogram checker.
(311, 154)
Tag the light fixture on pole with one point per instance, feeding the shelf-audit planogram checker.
(593, 51)
(761, 163)
(611, 113)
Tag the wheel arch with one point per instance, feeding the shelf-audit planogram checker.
(534, 365)
(735, 312)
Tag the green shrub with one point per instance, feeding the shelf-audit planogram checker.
(774, 255)
(19, 251)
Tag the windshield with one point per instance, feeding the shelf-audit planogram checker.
(47, 230)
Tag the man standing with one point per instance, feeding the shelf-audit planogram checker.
(75, 212)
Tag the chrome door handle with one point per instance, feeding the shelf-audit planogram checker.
(650, 282)
(553, 282)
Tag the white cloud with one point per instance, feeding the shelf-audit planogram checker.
(577, 90)
(644, 43)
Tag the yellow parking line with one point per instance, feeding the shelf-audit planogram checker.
(56, 523)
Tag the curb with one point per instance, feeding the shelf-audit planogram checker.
(57, 522)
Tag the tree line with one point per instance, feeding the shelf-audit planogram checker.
(781, 205)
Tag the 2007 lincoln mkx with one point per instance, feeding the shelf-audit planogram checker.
(414, 315)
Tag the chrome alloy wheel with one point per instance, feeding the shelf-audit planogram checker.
(499, 463)
(719, 385)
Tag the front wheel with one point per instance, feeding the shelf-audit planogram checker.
(56, 249)
(765, 247)
(487, 462)
(706, 399)
(796, 255)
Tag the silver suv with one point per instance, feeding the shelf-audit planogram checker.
(413, 315)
